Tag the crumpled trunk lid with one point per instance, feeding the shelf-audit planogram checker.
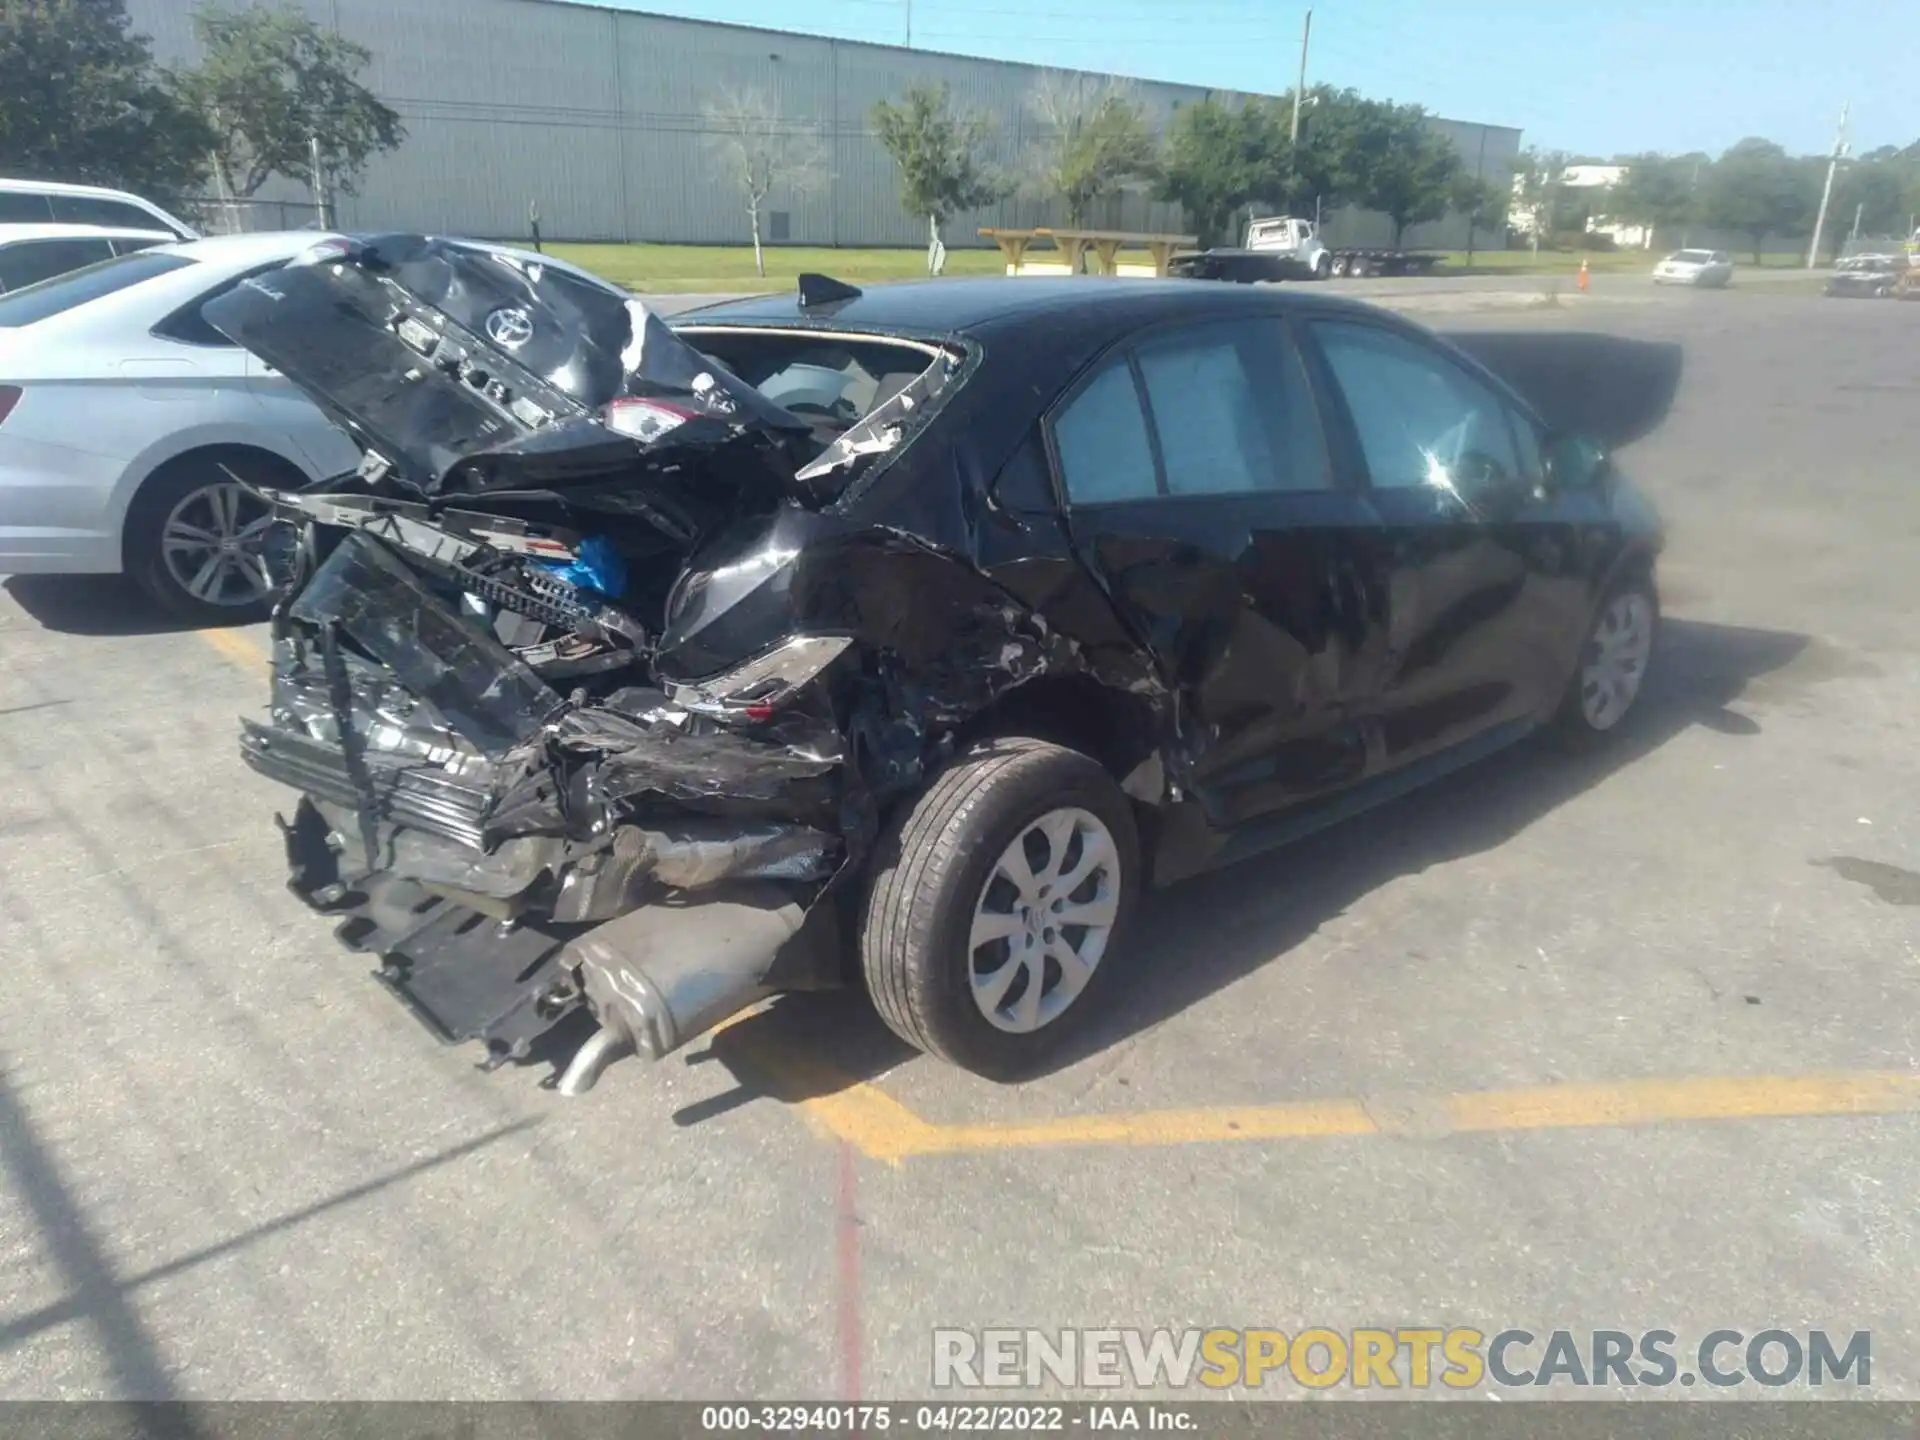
(464, 369)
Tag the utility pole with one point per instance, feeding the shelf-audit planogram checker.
(909, 24)
(1826, 194)
(318, 182)
(1299, 91)
(1300, 86)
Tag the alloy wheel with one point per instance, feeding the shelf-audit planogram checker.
(214, 542)
(1043, 920)
(1616, 659)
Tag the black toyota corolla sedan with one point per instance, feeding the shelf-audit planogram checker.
(895, 639)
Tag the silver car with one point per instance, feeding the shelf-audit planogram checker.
(1709, 268)
(131, 431)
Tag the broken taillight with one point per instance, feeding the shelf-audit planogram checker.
(9, 397)
(647, 420)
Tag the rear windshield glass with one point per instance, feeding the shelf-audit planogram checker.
(831, 383)
(65, 292)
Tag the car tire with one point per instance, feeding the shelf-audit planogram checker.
(1323, 267)
(179, 525)
(943, 878)
(1615, 657)
(1339, 266)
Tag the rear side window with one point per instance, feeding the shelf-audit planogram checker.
(1102, 440)
(1423, 421)
(1233, 411)
(20, 208)
(97, 210)
(30, 261)
(189, 324)
(1211, 438)
(57, 296)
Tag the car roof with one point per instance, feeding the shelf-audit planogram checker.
(935, 307)
(260, 246)
(51, 231)
(62, 187)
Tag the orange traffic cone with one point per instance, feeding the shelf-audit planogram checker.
(1582, 281)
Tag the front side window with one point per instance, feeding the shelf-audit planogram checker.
(1102, 440)
(1422, 420)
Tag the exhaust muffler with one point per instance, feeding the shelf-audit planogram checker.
(662, 975)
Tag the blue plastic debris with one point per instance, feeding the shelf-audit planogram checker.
(598, 568)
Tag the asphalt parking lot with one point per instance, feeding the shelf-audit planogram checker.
(1628, 1042)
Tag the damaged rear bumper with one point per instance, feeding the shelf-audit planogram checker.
(511, 857)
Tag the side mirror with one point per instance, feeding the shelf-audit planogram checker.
(1576, 462)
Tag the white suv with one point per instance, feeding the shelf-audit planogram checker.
(47, 202)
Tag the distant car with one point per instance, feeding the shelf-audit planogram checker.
(128, 426)
(1866, 277)
(48, 202)
(1708, 268)
(32, 253)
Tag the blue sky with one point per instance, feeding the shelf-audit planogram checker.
(1609, 77)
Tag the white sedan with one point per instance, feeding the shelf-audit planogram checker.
(1709, 268)
(127, 425)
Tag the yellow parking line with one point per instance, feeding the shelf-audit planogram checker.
(889, 1131)
(236, 646)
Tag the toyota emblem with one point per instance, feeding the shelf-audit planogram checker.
(511, 328)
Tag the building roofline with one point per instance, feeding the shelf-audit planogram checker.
(1208, 90)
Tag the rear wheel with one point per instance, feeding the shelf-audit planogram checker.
(1613, 663)
(997, 901)
(1339, 265)
(200, 544)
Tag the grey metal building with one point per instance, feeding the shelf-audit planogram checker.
(598, 117)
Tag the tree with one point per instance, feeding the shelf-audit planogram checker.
(1480, 202)
(1221, 157)
(1539, 180)
(1657, 192)
(763, 153)
(1757, 189)
(1882, 188)
(939, 153)
(1393, 162)
(272, 84)
(81, 99)
(1097, 140)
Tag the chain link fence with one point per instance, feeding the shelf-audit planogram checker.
(214, 216)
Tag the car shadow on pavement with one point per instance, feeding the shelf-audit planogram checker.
(1701, 672)
(1608, 387)
(91, 605)
(803, 1047)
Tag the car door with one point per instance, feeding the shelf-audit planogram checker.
(1479, 571)
(1199, 486)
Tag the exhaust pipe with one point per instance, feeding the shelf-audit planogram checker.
(662, 975)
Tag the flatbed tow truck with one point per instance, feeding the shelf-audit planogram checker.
(1283, 248)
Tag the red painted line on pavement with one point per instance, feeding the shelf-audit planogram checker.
(847, 1273)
